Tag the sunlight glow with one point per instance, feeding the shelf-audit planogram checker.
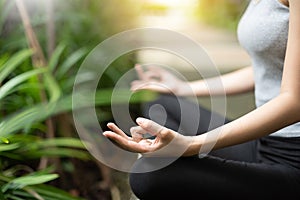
(173, 3)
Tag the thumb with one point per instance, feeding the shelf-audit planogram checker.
(150, 126)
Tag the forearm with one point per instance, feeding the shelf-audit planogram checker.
(236, 82)
(277, 114)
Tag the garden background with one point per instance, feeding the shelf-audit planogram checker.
(42, 45)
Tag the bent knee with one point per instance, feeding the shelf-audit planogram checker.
(147, 180)
(142, 185)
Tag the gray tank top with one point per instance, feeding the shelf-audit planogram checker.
(263, 32)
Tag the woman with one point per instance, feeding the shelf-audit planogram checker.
(255, 156)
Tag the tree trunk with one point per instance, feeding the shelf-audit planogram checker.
(51, 35)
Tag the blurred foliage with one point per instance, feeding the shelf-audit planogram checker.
(22, 125)
(222, 13)
(24, 150)
(18, 177)
(88, 22)
(78, 22)
(31, 187)
(80, 25)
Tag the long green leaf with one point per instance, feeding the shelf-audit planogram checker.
(52, 192)
(3, 60)
(58, 152)
(57, 142)
(11, 155)
(40, 112)
(47, 192)
(55, 57)
(26, 86)
(103, 97)
(13, 63)
(13, 197)
(8, 147)
(52, 87)
(113, 74)
(70, 61)
(22, 119)
(24, 181)
(22, 194)
(22, 138)
(5, 89)
(34, 179)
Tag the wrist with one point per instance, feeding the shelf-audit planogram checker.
(198, 88)
(185, 89)
(194, 145)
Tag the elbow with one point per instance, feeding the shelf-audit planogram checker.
(298, 111)
(293, 104)
(296, 106)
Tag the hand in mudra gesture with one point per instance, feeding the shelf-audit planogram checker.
(166, 142)
(159, 80)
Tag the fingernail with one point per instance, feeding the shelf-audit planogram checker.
(140, 120)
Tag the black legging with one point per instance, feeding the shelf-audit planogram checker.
(237, 172)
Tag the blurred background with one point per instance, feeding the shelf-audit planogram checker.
(42, 45)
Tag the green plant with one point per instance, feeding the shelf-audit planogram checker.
(30, 186)
(22, 181)
(27, 121)
(36, 90)
(26, 148)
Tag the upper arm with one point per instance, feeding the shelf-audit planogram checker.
(291, 72)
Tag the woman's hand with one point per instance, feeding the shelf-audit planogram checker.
(159, 80)
(166, 142)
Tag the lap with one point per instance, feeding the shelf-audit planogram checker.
(231, 172)
(189, 118)
(212, 177)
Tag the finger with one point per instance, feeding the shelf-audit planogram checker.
(137, 133)
(151, 127)
(150, 75)
(154, 86)
(118, 140)
(152, 68)
(127, 145)
(140, 72)
(139, 85)
(117, 130)
(156, 69)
